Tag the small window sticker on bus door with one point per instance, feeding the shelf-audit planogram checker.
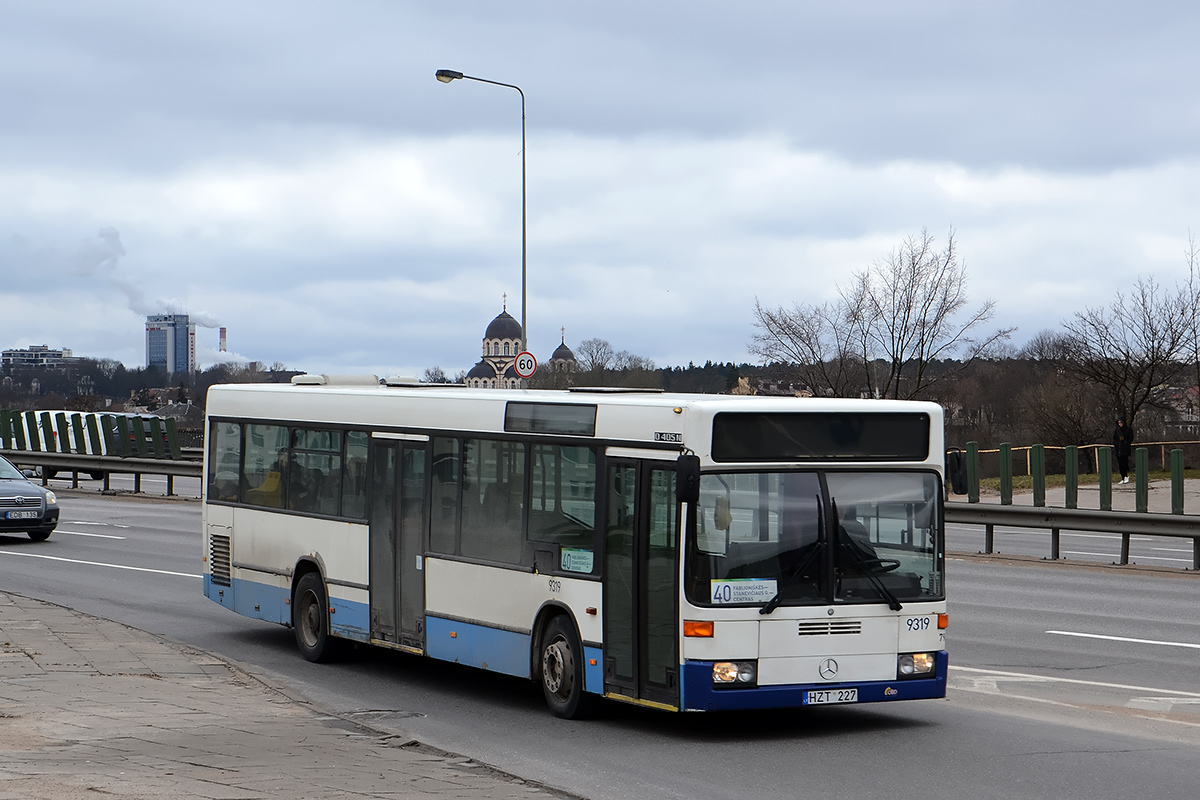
(577, 560)
(743, 590)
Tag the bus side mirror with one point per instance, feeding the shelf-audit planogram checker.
(687, 479)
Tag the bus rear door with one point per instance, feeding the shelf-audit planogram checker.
(397, 526)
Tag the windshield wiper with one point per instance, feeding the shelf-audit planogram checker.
(817, 547)
(846, 545)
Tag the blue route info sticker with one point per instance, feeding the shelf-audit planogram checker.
(577, 560)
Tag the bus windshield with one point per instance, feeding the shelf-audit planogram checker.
(815, 537)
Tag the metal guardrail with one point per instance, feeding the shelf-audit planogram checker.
(109, 465)
(1126, 523)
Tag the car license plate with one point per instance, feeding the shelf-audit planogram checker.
(22, 515)
(829, 696)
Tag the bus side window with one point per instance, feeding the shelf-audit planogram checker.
(493, 489)
(354, 477)
(563, 503)
(224, 461)
(443, 531)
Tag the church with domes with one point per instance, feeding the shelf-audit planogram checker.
(501, 346)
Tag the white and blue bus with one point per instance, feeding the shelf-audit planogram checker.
(684, 552)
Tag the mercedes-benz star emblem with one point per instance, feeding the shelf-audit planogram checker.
(828, 669)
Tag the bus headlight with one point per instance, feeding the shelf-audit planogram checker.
(914, 665)
(730, 674)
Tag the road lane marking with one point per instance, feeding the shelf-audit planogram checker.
(1024, 676)
(1125, 639)
(102, 524)
(93, 535)
(99, 564)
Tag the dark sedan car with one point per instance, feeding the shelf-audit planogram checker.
(25, 506)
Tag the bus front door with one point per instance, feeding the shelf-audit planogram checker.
(397, 526)
(641, 659)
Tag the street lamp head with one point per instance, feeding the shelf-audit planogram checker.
(447, 75)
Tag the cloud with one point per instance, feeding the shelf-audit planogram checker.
(351, 213)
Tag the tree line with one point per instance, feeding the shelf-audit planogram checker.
(903, 328)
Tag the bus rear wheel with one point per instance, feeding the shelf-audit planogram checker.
(310, 619)
(562, 670)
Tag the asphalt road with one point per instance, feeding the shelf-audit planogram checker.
(1068, 682)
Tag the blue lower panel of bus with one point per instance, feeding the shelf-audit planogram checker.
(699, 694)
(497, 650)
(270, 603)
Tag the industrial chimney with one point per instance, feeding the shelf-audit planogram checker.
(222, 347)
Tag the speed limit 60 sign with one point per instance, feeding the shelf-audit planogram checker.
(525, 364)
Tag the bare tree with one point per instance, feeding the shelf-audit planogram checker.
(1135, 347)
(895, 319)
(1192, 258)
(434, 375)
(811, 339)
(1057, 407)
(595, 355)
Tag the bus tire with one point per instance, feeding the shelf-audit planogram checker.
(310, 619)
(561, 669)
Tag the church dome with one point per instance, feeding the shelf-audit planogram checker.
(562, 353)
(482, 370)
(503, 327)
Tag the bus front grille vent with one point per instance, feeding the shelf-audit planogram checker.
(830, 628)
(219, 558)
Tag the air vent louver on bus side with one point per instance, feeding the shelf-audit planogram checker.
(829, 628)
(219, 559)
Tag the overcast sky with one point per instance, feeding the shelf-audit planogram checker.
(293, 171)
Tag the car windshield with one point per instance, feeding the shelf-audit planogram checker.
(8, 472)
(757, 535)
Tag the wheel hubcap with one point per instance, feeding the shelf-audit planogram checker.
(558, 668)
(310, 620)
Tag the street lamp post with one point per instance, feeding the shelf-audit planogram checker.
(447, 75)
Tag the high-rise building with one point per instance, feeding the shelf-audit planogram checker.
(171, 342)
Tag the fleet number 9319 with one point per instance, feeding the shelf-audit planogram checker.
(917, 623)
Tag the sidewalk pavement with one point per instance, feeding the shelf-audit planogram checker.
(92, 708)
(1124, 496)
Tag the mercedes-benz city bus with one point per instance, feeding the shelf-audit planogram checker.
(685, 552)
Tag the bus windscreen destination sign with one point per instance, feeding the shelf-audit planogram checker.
(820, 437)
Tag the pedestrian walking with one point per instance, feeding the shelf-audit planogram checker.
(1123, 446)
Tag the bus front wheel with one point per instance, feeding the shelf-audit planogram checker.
(562, 670)
(310, 619)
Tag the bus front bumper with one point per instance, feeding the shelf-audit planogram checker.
(700, 695)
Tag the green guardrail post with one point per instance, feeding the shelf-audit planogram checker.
(1037, 463)
(972, 472)
(156, 438)
(64, 432)
(1141, 460)
(93, 435)
(81, 444)
(139, 438)
(34, 441)
(1104, 467)
(1071, 500)
(46, 427)
(1176, 481)
(18, 429)
(5, 430)
(173, 439)
(121, 437)
(1005, 474)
